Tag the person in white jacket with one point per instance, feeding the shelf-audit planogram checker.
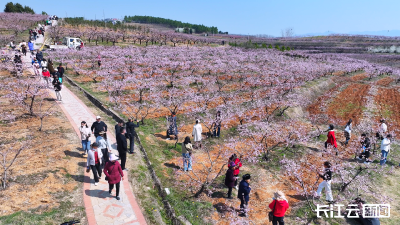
(196, 134)
(94, 161)
(85, 135)
(104, 146)
(385, 148)
(382, 129)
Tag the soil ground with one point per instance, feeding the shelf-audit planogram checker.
(47, 176)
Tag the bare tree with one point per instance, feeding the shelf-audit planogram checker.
(9, 155)
(287, 33)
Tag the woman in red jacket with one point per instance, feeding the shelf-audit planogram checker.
(331, 138)
(46, 76)
(236, 169)
(279, 205)
(113, 173)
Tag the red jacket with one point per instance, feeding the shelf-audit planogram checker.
(280, 207)
(114, 172)
(331, 138)
(46, 73)
(239, 164)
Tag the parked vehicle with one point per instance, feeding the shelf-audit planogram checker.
(68, 42)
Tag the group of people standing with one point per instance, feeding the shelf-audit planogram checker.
(100, 158)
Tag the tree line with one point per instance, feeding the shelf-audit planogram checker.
(17, 8)
(172, 23)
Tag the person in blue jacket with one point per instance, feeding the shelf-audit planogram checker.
(31, 47)
(244, 192)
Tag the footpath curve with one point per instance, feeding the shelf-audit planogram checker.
(101, 207)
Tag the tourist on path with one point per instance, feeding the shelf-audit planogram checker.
(44, 64)
(104, 145)
(385, 148)
(196, 133)
(236, 170)
(113, 173)
(122, 147)
(46, 76)
(217, 124)
(327, 177)
(57, 88)
(187, 149)
(85, 135)
(23, 48)
(31, 47)
(365, 149)
(279, 205)
(172, 127)
(98, 126)
(244, 193)
(93, 162)
(230, 179)
(36, 67)
(39, 57)
(331, 138)
(130, 134)
(61, 70)
(347, 131)
(51, 67)
(118, 127)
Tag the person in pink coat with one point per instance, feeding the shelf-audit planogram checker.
(113, 172)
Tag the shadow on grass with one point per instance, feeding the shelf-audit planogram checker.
(218, 194)
(172, 165)
(73, 154)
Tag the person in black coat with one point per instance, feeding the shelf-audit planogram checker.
(39, 57)
(60, 70)
(122, 147)
(366, 148)
(118, 127)
(98, 126)
(230, 179)
(130, 134)
(244, 192)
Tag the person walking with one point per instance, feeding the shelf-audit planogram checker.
(46, 76)
(34, 32)
(104, 146)
(93, 162)
(347, 131)
(217, 124)
(51, 67)
(61, 70)
(31, 47)
(118, 127)
(39, 57)
(365, 149)
(57, 89)
(98, 126)
(130, 134)
(196, 134)
(331, 138)
(23, 48)
(85, 135)
(187, 150)
(113, 173)
(44, 64)
(36, 67)
(230, 179)
(326, 183)
(279, 206)
(236, 171)
(385, 149)
(122, 147)
(172, 127)
(244, 193)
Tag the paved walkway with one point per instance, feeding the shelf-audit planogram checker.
(101, 207)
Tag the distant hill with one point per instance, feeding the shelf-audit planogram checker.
(171, 23)
(389, 33)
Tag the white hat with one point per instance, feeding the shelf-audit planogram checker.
(113, 157)
(98, 117)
